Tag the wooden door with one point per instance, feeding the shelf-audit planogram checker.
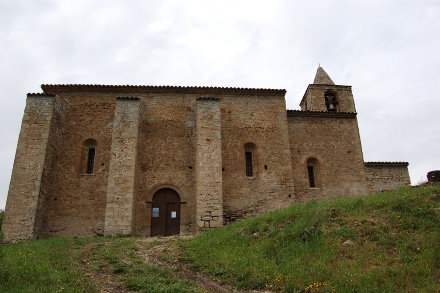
(173, 218)
(165, 214)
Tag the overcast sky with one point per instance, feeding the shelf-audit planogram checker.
(388, 50)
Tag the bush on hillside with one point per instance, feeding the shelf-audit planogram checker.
(1, 234)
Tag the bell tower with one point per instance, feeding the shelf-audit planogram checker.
(324, 96)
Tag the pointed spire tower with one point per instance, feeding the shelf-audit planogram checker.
(324, 96)
(322, 77)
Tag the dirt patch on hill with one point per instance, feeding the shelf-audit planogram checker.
(103, 278)
(164, 252)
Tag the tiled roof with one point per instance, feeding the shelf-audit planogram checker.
(127, 98)
(386, 164)
(40, 95)
(57, 88)
(322, 114)
(207, 99)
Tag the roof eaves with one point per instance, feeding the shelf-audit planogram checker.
(321, 114)
(40, 95)
(386, 164)
(49, 88)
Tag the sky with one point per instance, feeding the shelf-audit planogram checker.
(388, 50)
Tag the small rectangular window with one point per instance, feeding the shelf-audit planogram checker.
(90, 160)
(249, 170)
(311, 176)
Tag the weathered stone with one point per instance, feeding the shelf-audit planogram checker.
(192, 140)
(348, 243)
(384, 176)
(122, 171)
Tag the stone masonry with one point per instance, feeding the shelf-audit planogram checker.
(209, 201)
(93, 159)
(384, 176)
(24, 216)
(122, 174)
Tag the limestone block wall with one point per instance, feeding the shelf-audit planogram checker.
(76, 205)
(333, 140)
(209, 197)
(170, 137)
(261, 120)
(383, 176)
(28, 191)
(52, 155)
(122, 187)
(167, 156)
(314, 100)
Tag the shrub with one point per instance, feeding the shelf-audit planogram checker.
(1, 234)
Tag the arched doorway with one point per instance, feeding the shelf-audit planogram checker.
(165, 213)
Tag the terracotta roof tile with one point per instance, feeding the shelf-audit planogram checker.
(40, 95)
(127, 98)
(322, 114)
(386, 164)
(55, 88)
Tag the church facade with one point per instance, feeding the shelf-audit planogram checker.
(164, 160)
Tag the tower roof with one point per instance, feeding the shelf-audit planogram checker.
(322, 77)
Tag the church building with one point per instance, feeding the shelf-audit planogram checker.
(166, 160)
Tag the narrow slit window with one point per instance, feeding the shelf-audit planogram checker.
(90, 160)
(249, 172)
(311, 173)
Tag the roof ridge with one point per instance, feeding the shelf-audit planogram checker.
(43, 86)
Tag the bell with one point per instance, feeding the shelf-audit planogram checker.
(331, 106)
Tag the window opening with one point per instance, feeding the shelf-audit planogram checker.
(311, 173)
(90, 160)
(249, 172)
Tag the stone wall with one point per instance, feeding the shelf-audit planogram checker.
(172, 137)
(77, 203)
(314, 100)
(261, 121)
(167, 156)
(333, 140)
(383, 176)
(28, 191)
(209, 201)
(123, 166)
(48, 176)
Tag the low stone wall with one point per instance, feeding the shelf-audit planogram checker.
(382, 176)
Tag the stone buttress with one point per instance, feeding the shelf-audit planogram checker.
(121, 190)
(32, 172)
(209, 197)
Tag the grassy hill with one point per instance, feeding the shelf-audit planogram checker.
(386, 242)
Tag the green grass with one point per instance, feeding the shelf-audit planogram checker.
(300, 248)
(297, 249)
(54, 265)
(49, 265)
(120, 257)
